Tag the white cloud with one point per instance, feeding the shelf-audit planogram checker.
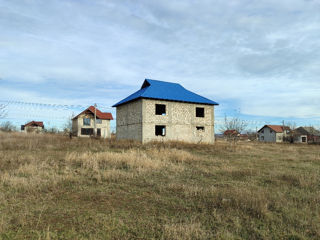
(263, 55)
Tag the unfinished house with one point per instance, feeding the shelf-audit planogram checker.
(162, 111)
(83, 125)
(273, 133)
(306, 135)
(33, 126)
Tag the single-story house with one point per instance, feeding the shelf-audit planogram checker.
(33, 126)
(306, 135)
(83, 125)
(230, 133)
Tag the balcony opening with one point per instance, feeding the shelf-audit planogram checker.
(160, 130)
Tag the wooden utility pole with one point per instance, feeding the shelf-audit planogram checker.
(95, 120)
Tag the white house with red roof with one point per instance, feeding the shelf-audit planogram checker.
(273, 133)
(83, 125)
(33, 126)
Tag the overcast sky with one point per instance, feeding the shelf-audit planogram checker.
(260, 58)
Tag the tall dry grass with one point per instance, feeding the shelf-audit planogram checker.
(56, 188)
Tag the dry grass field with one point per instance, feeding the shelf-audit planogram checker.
(52, 187)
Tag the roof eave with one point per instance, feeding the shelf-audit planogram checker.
(162, 99)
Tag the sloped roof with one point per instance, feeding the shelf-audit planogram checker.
(276, 128)
(308, 131)
(154, 89)
(230, 132)
(100, 115)
(34, 123)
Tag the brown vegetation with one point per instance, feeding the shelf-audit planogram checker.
(52, 187)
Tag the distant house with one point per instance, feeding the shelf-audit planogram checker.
(231, 133)
(33, 126)
(165, 111)
(83, 123)
(306, 135)
(273, 133)
(234, 134)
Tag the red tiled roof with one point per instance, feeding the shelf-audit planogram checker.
(276, 128)
(100, 115)
(230, 132)
(34, 123)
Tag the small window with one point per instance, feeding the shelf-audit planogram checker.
(98, 121)
(304, 139)
(160, 109)
(200, 128)
(199, 112)
(160, 130)
(86, 131)
(99, 132)
(271, 131)
(86, 121)
(262, 131)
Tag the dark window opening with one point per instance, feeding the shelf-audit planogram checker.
(199, 112)
(86, 131)
(22, 127)
(99, 132)
(98, 121)
(160, 109)
(160, 130)
(304, 139)
(200, 128)
(86, 121)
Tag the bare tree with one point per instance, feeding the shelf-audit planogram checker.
(3, 112)
(7, 127)
(289, 131)
(234, 127)
(68, 126)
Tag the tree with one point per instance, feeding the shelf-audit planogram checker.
(67, 127)
(233, 125)
(52, 130)
(289, 131)
(3, 112)
(7, 127)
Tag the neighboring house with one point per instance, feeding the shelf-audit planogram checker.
(306, 135)
(164, 111)
(231, 133)
(273, 133)
(235, 135)
(32, 126)
(83, 123)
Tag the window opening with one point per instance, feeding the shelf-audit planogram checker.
(199, 112)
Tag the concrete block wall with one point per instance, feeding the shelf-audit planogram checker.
(180, 121)
(137, 120)
(129, 121)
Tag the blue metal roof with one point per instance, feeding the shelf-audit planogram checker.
(154, 89)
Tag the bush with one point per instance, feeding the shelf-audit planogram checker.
(7, 127)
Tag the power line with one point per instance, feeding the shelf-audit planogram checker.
(53, 105)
